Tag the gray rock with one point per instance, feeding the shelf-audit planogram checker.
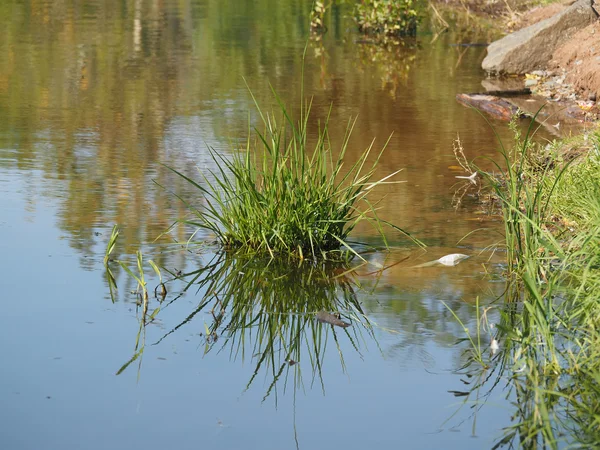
(531, 48)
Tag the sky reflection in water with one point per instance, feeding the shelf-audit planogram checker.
(92, 99)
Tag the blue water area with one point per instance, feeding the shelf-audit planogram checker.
(63, 341)
(94, 100)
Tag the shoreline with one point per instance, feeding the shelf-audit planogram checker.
(569, 85)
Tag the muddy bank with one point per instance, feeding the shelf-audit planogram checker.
(580, 59)
(566, 79)
(577, 59)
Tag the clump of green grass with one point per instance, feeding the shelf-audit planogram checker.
(549, 334)
(524, 202)
(278, 196)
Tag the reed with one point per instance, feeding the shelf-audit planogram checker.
(280, 197)
(549, 360)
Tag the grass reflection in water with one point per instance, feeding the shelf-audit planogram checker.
(278, 315)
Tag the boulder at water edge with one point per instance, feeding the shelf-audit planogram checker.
(531, 48)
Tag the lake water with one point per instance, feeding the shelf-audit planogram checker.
(94, 98)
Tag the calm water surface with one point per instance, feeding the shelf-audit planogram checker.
(94, 97)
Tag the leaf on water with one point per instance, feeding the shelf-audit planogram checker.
(453, 259)
(459, 393)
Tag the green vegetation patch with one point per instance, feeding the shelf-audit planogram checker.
(389, 17)
(277, 196)
(546, 346)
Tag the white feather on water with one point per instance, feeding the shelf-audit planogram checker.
(449, 260)
(494, 346)
(453, 259)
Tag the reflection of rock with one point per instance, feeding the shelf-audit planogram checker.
(532, 47)
(502, 84)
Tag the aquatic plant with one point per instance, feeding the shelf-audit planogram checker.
(549, 357)
(476, 349)
(110, 247)
(388, 17)
(277, 196)
(524, 204)
(141, 290)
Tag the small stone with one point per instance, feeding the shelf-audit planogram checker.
(539, 73)
(578, 62)
(530, 82)
(592, 97)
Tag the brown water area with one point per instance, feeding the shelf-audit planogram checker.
(97, 97)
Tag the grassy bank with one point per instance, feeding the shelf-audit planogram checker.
(549, 332)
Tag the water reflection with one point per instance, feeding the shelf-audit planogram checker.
(275, 314)
(96, 96)
(508, 356)
(279, 316)
(392, 61)
(89, 92)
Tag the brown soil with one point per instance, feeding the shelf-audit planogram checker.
(537, 14)
(510, 15)
(580, 56)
